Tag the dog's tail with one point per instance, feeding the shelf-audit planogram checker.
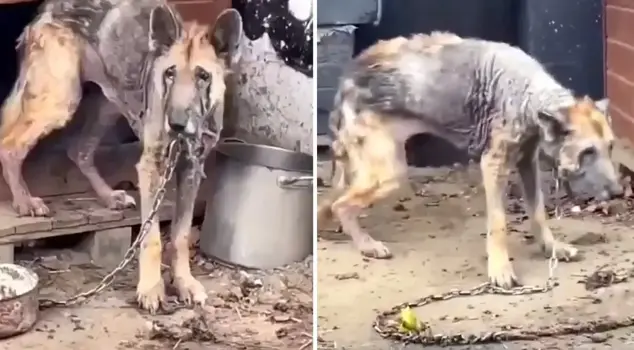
(47, 91)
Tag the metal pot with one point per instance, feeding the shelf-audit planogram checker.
(19, 304)
(259, 206)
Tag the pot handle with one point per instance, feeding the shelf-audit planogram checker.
(290, 182)
(232, 140)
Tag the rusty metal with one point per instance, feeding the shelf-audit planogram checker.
(387, 326)
(18, 300)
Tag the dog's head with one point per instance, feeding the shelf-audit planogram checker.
(579, 139)
(188, 74)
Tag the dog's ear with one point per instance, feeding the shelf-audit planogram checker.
(164, 29)
(603, 106)
(227, 35)
(552, 125)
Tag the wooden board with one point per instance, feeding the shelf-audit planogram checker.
(75, 214)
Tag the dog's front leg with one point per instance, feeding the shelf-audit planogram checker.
(188, 181)
(495, 172)
(151, 288)
(534, 197)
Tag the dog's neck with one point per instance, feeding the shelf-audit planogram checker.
(545, 94)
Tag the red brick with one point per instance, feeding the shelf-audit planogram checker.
(620, 3)
(202, 11)
(620, 60)
(619, 23)
(622, 124)
(620, 93)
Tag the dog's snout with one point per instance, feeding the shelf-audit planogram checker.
(177, 121)
(181, 122)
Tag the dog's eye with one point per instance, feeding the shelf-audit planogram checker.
(588, 155)
(202, 74)
(170, 73)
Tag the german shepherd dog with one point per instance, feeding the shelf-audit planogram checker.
(165, 77)
(489, 99)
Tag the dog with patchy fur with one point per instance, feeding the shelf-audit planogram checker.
(489, 99)
(165, 77)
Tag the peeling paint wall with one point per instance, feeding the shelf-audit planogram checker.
(272, 103)
(272, 99)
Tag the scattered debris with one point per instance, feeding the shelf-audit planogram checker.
(347, 276)
(603, 277)
(191, 329)
(599, 337)
(590, 238)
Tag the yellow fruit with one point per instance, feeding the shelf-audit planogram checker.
(409, 322)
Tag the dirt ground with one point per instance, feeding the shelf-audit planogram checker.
(246, 309)
(437, 236)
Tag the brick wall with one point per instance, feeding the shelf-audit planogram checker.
(204, 11)
(619, 27)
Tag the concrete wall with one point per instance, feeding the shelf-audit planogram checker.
(273, 102)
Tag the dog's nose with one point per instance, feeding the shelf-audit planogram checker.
(177, 122)
(177, 127)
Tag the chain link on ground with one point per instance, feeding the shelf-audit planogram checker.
(387, 322)
(173, 151)
(388, 327)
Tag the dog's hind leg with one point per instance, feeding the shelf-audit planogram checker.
(375, 166)
(528, 170)
(188, 181)
(100, 115)
(495, 176)
(44, 98)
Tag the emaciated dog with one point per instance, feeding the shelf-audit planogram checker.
(489, 99)
(165, 77)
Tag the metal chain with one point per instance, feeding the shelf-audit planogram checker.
(173, 151)
(387, 327)
(558, 210)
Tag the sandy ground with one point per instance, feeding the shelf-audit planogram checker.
(437, 236)
(245, 310)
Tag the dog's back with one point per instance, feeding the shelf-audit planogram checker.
(453, 87)
(116, 30)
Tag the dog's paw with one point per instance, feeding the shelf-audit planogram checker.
(563, 251)
(501, 272)
(190, 290)
(30, 206)
(150, 294)
(119, 200)
(373, 249)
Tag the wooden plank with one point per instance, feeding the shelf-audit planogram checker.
(84, 214)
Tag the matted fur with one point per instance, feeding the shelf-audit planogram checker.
(162, 75)
(489, 99)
